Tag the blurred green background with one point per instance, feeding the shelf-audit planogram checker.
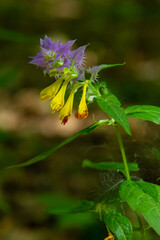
(118, 31)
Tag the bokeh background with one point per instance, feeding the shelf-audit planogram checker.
(118, 31)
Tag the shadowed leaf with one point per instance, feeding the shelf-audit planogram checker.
(44, 155)
(82, 206)
(111, 166)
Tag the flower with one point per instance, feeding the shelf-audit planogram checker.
(50, 91)
(82, 109)
(66, 111)
(67, 67)
(58, 101)
(57, 56)
(78, 56)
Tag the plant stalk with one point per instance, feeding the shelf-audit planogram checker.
(122, 152)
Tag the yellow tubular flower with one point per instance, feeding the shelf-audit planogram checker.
(58, 101)
(82, 109)
(66, 111)
(50, 91)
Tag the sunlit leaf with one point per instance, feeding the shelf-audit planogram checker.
(142, 200)
(111, 105)
(151, 189)
(145, 112)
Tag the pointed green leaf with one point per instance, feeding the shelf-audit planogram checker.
(111, 166)
(111, 105)
(140, 199)
(145, 112)
(42, 156)
(82, 206)
(119, 225)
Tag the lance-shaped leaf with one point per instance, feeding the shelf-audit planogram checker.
(81, 207)
(119, 225)
(95, 70)
(145, 112)
(111, 105)
(142, 200)
(111, 166)
(42, 156)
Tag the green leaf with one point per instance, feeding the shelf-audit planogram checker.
(140, 199)
(81, 207)
(145, 112)
(151, 189)
(42, 156)
(111, 105)
(111, 166)
(119, 225)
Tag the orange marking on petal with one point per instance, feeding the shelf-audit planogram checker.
(81, 116)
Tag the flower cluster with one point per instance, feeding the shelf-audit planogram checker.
(66, 66)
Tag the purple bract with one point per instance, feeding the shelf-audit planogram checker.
(55, 55)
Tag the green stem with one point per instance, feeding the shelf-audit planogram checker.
(141, 226)
(122, 152)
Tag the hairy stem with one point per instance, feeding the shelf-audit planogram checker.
(122, 152)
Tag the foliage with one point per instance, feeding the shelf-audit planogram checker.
(57, 60)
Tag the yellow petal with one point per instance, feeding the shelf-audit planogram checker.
(82, 109)
(58, 101)
(51, 90)
(66, 111)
